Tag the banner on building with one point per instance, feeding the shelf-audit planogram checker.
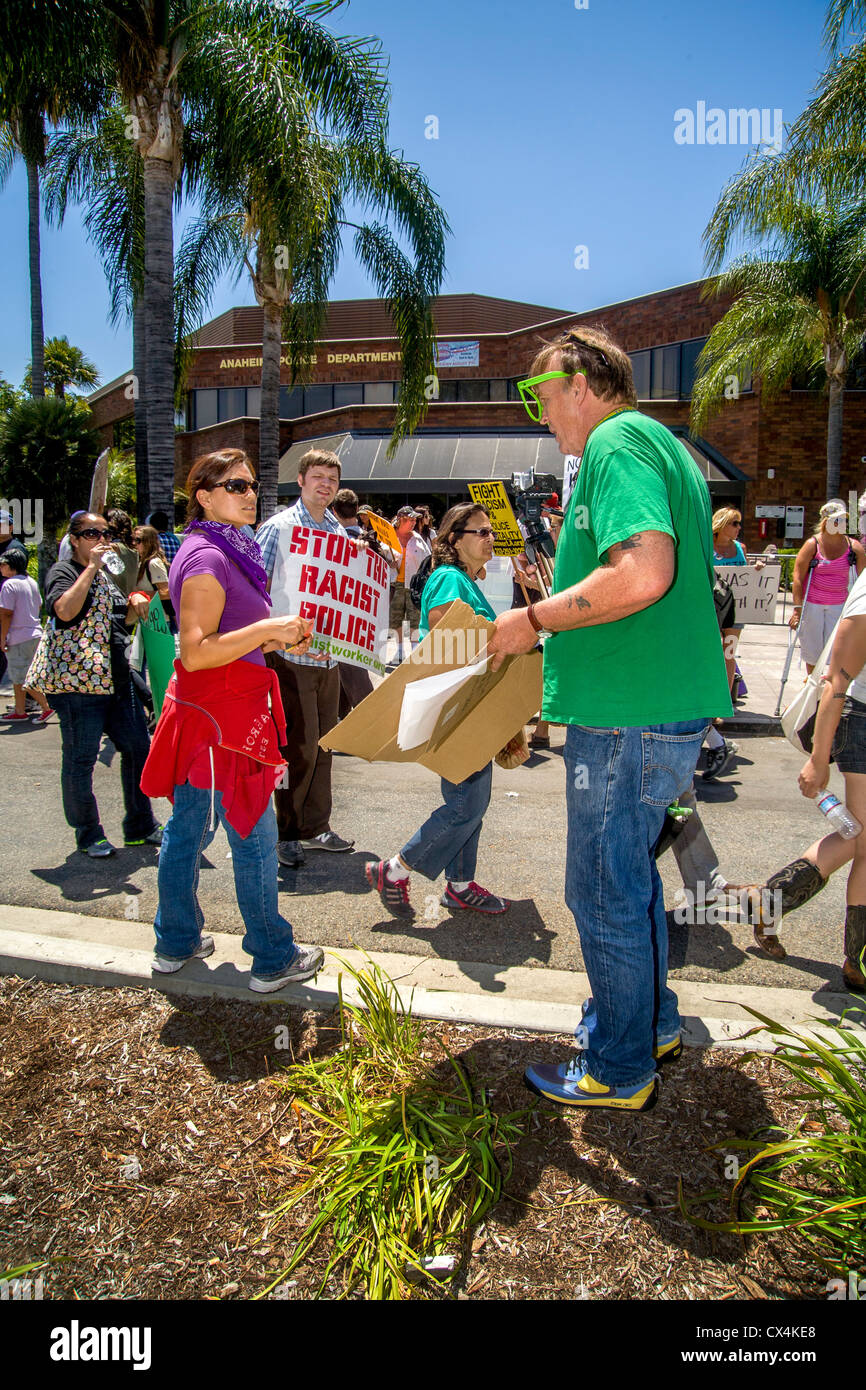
(755, 591)
(324, 576)
(509, 538)
(159, 651)
(455, 354)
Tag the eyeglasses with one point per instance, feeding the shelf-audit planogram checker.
(138, 540)
(238, 486)
(90, 534)
(477, 531)
(532, 402)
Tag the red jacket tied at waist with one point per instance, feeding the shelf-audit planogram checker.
(220, 728)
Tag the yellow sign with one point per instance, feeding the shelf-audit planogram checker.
(509, 539)
(385, 531)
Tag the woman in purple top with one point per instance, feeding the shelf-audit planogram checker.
(218, 586)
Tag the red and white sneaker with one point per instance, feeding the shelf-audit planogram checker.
(14, 718)
(394, 892)
(42, 717)
(474, 897)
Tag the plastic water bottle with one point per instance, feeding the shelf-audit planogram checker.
(839, 816)
(113, 562)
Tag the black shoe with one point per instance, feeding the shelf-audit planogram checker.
(328, 839)
(290, 854)
(719, 759)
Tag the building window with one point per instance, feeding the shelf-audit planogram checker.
(232, 402)
(447, 390)
(254, 401)
(349, 393)
(291, 402)
(206, 413)
(666, 372)
(499, 390)
(379, 393)
(473, 389)
(640, 365)
(318, 398)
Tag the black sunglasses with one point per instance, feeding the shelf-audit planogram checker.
(238, 486)
(477, 531)
(91, 533)
(569, 336)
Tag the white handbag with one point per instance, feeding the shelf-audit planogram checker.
(798, 717)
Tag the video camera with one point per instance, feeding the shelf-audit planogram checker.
(530, 491)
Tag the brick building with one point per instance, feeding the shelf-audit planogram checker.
(753, 454)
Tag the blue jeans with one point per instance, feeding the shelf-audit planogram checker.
(619, 783)
(83, 720)
(449, 838)
(179, 918)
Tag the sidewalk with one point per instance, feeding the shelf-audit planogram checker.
(761, 654)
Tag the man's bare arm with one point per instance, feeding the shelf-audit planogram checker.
(636, 572)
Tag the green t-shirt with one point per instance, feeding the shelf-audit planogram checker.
(445, 584)
(665, 663)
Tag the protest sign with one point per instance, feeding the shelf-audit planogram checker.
(509, 538)
(570, 469)
(159, 651)
(386, 533)
(344, 590)
(755, 591)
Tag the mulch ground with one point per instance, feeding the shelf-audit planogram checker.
(144, 1144)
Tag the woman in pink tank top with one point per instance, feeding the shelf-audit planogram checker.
(824, 570)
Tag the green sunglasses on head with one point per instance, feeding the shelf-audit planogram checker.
(533, 406)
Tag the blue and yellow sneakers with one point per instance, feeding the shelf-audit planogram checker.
(571, 1084)
(667, 1047)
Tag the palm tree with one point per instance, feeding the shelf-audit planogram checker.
(285, 223)
(65, 365)
(100, 168)
(49, 68)
(799, 301)
(180, 60)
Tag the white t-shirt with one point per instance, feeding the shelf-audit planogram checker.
(855, 607)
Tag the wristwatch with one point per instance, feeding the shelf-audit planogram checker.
(539, 628)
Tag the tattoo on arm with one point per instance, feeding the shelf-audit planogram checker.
(844, 673)
(578, 601)
(630, 543)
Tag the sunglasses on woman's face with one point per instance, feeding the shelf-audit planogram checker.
(478, 531)
(238, 486)
(91, 534)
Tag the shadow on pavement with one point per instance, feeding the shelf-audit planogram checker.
(471, 937)
(326, 872)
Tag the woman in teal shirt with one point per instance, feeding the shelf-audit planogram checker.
(448, 839)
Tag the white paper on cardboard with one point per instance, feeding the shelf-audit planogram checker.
(423, 701)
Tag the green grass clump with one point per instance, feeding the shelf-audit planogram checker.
(402, 1163)
(810, 1179)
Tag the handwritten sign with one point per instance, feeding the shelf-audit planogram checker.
(509, 538)
(159, 651)
(324, 576)
(385, 531)
(570, 470)
(755, 591)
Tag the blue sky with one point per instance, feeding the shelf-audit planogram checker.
(555, 131)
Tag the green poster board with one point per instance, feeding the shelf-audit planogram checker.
(158, 650)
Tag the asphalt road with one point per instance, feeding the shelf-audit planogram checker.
(756, 817)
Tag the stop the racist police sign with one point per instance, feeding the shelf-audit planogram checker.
(324, 576)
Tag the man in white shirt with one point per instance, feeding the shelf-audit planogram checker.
(309, 685)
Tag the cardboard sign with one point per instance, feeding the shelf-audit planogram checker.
(570, 470)
(509, 538)
(159, 651)
(474, 723)
(385, 531)
(755, 591)
(322, 575)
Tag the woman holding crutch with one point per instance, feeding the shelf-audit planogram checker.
(448, 839)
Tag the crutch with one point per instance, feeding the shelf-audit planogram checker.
(793, 633)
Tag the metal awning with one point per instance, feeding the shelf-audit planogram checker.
(444, 461)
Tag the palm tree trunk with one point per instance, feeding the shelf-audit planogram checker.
(37, 335)
(834, 435)
(159, 184)
(142, 488)
(269, 421)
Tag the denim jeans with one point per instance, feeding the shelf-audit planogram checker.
(83, 720)
(619, 783)
(179, 918)
(449, 838)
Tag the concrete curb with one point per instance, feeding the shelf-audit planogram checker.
(72, 948)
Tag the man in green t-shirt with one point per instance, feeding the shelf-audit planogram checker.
(635, 669)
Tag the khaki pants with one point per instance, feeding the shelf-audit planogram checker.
(310, 699)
